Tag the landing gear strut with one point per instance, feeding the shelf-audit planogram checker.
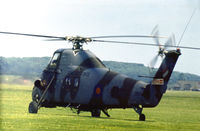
(36, 103)
(106, 112)
(138, 110)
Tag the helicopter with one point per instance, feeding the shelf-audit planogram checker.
(78, 79)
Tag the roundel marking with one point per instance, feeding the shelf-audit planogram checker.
(98, 90)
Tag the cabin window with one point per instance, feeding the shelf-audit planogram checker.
(68, 81)
(76, 82)
(54, 61)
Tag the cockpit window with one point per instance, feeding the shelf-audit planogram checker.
(54, 61)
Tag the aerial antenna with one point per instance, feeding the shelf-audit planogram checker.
(186, 27)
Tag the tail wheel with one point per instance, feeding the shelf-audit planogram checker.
(96, 113)
(33, 107)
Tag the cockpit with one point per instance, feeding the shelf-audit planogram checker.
(54, 60)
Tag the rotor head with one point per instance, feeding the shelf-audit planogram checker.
(77, 41)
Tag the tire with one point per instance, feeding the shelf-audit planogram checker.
(96, 113)
(142, 117)
(36, 94)
(33, 107)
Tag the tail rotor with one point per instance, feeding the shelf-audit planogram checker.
(162, 48)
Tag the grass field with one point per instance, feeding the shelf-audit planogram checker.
(177, 111)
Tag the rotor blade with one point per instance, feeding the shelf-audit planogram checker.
(54, 39)
(155, 32)
(186, 47)
(33, 35)
(128, 36)
(124, 42)
(147, 44)
(153, 61)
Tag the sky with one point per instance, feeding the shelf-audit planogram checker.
(89, 18)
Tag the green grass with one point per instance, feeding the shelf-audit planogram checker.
(177, 111)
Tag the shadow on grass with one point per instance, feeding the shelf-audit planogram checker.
(112, 118)
(104, 118)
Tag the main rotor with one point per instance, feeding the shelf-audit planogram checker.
(78, 41)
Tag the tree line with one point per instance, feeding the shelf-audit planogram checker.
(31, 67)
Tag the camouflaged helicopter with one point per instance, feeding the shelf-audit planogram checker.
(76, 78)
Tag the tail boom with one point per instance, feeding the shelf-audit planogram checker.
(165, 70)
(158, 86)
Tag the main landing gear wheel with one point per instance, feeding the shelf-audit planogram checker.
(33, 107)
(96, 113)
(142, 117)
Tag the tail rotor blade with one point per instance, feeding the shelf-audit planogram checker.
(155, 32)
(171, 42)
(168, 43)
(155, 29)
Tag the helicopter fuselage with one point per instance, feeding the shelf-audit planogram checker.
(78, 79)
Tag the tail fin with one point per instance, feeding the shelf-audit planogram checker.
(165, 70)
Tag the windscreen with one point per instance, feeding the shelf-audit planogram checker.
(54, 61)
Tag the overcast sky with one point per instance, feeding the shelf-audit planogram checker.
(100, 17)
